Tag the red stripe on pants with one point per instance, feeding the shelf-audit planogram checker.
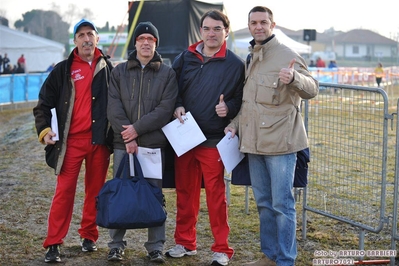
(189, 168)
(96, 158)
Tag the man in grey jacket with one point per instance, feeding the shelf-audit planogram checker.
(141, 101)
(271, 131)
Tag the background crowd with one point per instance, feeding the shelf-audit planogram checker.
(6, 67)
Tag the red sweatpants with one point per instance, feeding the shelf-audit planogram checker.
(189, 169)
(96, 159)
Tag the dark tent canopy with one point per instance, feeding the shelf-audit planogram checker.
(177, 21)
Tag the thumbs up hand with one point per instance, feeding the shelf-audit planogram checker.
(221, 108)
(286, 75)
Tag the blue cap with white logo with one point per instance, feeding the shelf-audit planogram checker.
(83, 22)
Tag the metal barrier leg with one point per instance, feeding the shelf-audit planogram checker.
(227, 181)
(247, 199)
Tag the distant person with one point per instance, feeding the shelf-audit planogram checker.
(312, 64)
(211, 79)
(379, 73)
(332, 64)
(78, 90)
(10, 69)
(50, 68)
(320, 62)
(6, 62)
(22, 63)
(1, 64)
(19, 69)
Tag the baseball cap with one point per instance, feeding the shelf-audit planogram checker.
(83, 22)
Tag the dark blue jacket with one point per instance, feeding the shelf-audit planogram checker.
(201, 84)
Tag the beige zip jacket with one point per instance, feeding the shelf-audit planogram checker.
(269, 122)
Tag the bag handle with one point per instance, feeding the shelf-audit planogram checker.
(137, 167)
(123, 166)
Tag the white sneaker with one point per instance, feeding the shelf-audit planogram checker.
(179, 251)
(220, 259)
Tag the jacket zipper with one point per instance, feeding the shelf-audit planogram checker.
(139, 105)
(148, 88)
(134, 84)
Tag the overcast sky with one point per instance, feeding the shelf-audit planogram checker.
(380, 16)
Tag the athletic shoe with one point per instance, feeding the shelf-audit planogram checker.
(53, 254)
(179, 251)
(115, 254)
(220, 259)
(88, 245)
(156, 256)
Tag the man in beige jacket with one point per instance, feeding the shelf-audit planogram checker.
(271, 132)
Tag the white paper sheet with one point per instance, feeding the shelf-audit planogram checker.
(184, 137)
(150, 162)
(229, 151)
(54, 124)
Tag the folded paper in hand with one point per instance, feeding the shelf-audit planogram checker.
(184, 136)
(54, 124)
(150, 161)
(229, 152)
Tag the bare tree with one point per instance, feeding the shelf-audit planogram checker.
(70, 15)
(55, 7)
(3, 13)
(47, 24)
(88, 14)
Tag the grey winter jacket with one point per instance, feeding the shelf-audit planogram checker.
(142, 97)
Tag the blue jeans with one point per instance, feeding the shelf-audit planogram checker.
(156, 235)
(272, 180)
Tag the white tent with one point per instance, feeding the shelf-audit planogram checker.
(39, 52)
(241, 45)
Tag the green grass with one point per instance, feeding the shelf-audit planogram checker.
(27, 186)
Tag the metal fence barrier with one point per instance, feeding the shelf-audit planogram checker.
(395, 222)
(348, 135)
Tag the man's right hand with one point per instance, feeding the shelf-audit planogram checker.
(230, 129)
(132, 147)
(179, 111)
(48, 138)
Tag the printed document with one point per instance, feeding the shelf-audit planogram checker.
(150, 161)
(54, 124)
(184, 137)
(229, 151)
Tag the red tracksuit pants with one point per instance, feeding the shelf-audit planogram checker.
(96, 158)
(189, 169)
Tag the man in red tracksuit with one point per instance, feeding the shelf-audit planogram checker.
(211, 79)
(78, 89)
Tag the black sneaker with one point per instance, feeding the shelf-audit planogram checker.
(156, 256)
(88, 245)
(53, 254)
(115, 254)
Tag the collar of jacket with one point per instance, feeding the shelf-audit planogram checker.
(155, 62)
(260, 49)
(72, 54)
(220, 54)
(252, 43)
